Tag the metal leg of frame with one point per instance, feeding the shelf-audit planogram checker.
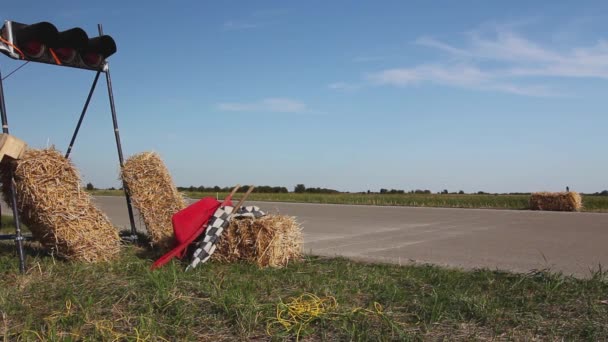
(133, 236)
(84, 111)
(18, 236)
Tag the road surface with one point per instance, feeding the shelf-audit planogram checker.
(520, 241)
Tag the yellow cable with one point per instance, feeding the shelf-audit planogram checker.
(297, 313)
(300, 311)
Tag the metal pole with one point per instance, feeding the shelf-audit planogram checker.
(84, 110)
(18, 237)
(133, 236)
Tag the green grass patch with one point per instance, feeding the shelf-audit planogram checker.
(7, 225)
(57, 300)
(482, 201)
(521, 202)
(103, 192)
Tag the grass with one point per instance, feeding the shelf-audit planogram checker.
(590, 203)
(58, 301)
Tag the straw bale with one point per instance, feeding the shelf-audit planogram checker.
(154, 194)
(272, 240)
(557, 201)
(58, 212)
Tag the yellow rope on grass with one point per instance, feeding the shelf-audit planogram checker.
(295, 315)
(379, 310)
(299, 312)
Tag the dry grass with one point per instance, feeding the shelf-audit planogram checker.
(273, 240)
(154, 194)
(59, 213)
(556, 201)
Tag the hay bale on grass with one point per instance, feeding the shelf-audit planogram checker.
(557, 201)
(272, 240)
(154, 195)
(59, 213)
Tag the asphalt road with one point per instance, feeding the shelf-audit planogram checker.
(519, 241)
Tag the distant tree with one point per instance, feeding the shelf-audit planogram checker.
(383, 191)
(112, 188)
(481, 193)
(90, 186)
(320, 190)
(444, 192)
(461, 192)
(300, 188)
(604, 193)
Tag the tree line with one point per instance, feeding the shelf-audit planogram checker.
(258, 188)
(301, 188)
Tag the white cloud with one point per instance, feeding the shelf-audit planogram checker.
(508, 46)
(278, 105)
(501, 60)
(523, 57)
(431, 42)
(344, 86)
(587, 62)
(454, 75)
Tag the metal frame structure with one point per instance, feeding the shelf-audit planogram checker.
(18, 236)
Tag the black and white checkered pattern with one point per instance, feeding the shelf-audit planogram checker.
(249, 212)
(217, 223)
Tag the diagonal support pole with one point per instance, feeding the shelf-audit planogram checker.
(133, 236)
(18, 236)
(84, 111)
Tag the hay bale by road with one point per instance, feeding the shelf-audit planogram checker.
(154, 194)
(272, 240)
(556, 201)
(59, 213)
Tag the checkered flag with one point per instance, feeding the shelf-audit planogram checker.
(217, 223)
(249, 212)
(206, 246)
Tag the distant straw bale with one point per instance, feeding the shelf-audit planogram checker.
(154, 194)
(557, 201)
(59, 213)
(272, 240)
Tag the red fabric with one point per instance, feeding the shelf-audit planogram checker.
(190, 219)
(188, 224)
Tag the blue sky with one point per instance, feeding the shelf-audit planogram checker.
(467, 95)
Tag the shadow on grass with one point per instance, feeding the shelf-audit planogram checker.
(31, 249)
(143, 242)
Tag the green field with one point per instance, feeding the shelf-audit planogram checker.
(590, 203)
